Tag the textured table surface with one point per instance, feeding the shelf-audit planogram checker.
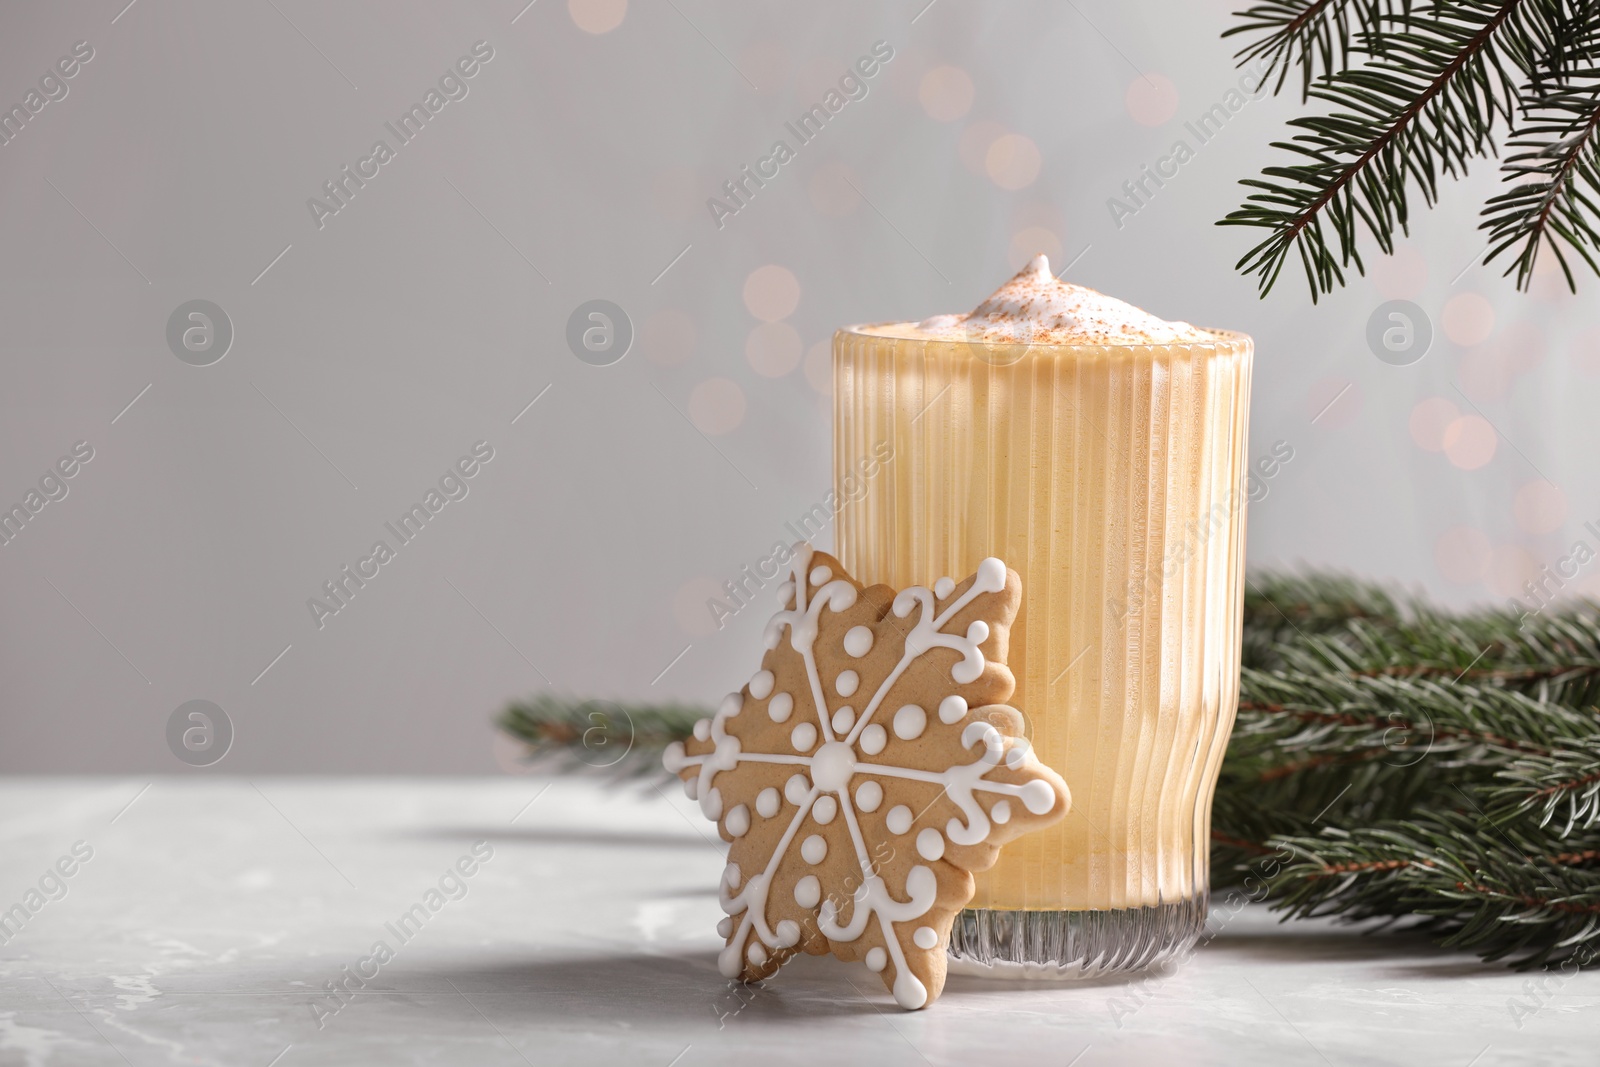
(210, 913)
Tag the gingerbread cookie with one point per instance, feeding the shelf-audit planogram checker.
(865, 771)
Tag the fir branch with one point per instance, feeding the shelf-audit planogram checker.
(1566, 780)
(598, 733)
(1556, 163)
(1425, 103)
(1318, 36)
(1498, 902)
(1283, 609)
(1553, 657)
(1351, 714)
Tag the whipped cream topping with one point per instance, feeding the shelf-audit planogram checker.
(1036, 307)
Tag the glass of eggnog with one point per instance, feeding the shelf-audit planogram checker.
(1100, 452)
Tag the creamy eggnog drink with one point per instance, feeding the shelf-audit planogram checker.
(1100, 451)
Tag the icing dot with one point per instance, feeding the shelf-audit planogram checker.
(978, 632)
(781, 706)
(739, 821)
(820, 575)
(731, 876)
(796, 788)
(1017, 755)
(909, 722)
(858, 641)
(1001, 812)
(788, 932)
(756, 953)
(691, 788)
(899, 819)
(803, 737)
(952, 709)
(731, 705)
(877, 959)
(846, 683)
(786, 593)
(991, 576)
(930, 844)
(761, 685)
(925, 937)
(843, 719)
(873, 738)
(767, 803)
(868, 796)
(814, 849)
(944, 587)
(825, 809)
(672, 758)
(808, 891)
(725, 926)
(702, 729)
(713, 805)
(1038, 797)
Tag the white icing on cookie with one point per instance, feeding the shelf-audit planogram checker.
(738, 821)
(926, 937)
(768, 802)
(869, 795)
(1038, 797)
(725, 926)
(873, 738)
(944, 587)
(825, 809)
(843, 719)
(952, 709)
(877, 959)
(898, 820)
(803, 737)
(820, 575)
(796, 789)
(814, 849)
(761, 684)
(807, 892)
(832, 767)
(847, 683)
(858, 641)
(1001, 812)
(781, 707)
(930, 844)
(909, 722)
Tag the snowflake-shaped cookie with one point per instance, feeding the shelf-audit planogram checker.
(865, 771)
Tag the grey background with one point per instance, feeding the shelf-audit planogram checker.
(430, 311)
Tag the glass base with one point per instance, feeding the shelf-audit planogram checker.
(1065, 945)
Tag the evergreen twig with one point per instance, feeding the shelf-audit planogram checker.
(1412, 93)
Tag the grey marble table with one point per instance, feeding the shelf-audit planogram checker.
(569, 920)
